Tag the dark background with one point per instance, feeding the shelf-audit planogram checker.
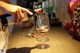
(26, 3)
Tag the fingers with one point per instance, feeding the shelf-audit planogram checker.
(14, 17)
(21, 16)
(38, 10)
(18, 16)
(29, 12)
(26, 10)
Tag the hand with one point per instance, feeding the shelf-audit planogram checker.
(18, 13)
(15, 10)
(28, 24)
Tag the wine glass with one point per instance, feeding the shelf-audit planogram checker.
(42, 26)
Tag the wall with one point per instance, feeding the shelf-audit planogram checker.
(61, 10)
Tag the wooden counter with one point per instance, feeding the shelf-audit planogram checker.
(59, 41)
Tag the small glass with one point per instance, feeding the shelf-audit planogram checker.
(42, 26)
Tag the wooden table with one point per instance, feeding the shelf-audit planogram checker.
(59, 41)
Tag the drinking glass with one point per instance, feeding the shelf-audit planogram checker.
(42, 26)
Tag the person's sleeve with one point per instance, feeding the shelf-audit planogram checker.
(70, 12)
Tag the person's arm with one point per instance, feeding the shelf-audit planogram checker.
(13, 8)
(16, 10)
(2, 3)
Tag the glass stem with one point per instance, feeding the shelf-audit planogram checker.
(42, 34)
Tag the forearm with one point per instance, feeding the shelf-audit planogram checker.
(4, 4)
